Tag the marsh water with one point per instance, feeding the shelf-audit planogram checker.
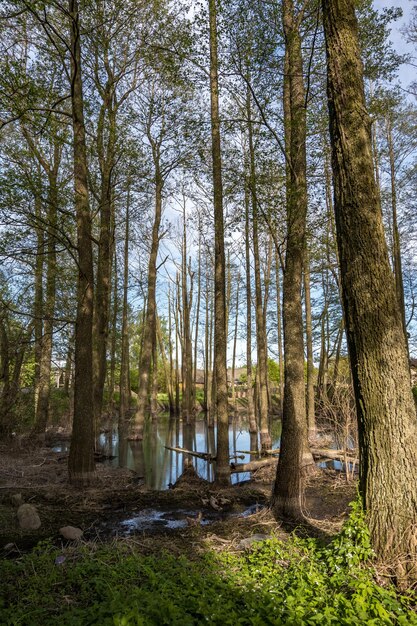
(161, 467)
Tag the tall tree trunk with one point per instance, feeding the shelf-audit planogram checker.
(115, 311)
(124, 384)
(42, 405)
(149, 327)
(172, 375)
(251, 406)
(38, 303)
(377, 349)
(279, 332)
(81, 456)
(235, 346)
(261, 347)
(197, 309)
(398, 273)
(188, 390)
(104, 257)
(294, 458)
(220, 338)
(311, 420)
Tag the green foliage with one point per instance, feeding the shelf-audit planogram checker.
(298, 582)
(273, 371)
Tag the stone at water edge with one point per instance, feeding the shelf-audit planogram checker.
(71, 533)
(28, 517)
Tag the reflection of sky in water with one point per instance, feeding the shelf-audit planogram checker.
(160, 466)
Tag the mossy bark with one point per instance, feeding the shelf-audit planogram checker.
(295, 457)
(377, 349)
(220, 339)
(81, 464)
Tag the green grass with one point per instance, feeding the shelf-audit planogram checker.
(297, 582)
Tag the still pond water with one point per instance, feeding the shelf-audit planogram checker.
(161, 467)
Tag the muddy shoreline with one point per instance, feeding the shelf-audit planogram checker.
(120, 505)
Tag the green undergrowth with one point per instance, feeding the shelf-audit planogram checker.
(294, 582)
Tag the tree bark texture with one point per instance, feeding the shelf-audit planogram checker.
(295, 456)
(81, 456)
(220, 339)
(149, 327)
(262, 350)
(377, 349)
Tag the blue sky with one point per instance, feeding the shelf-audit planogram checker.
(407, 73)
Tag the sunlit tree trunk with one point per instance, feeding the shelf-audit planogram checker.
(220, 338)
(311, 420)
(279, 331)
(251, 407)
(261, 347)
(294, 458)
(398, 273)
(188, 390)
(377, 348)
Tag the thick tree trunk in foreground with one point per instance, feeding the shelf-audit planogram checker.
(81, 456)
(377, 348)
(295, 456)
(220, 340)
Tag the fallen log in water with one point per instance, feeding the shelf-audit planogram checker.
(251, 465)
(200, 455)
(334, 455)
(318, 454)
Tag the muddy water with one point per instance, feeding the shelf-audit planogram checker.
(151, 520)
(160, 467)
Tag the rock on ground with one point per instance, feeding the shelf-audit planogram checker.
(28, 517)
(71, 533)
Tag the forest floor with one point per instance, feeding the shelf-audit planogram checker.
(190, 555)
(228, 515)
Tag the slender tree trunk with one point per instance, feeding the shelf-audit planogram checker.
(112, 376)
(279, 332)
(311, 420)
(235, 345)
(377, 349)
(165, 364)
(197, 312)
(251, 408)
(81, 456)
(398, 274)
(295, 457)
(188, 395)
(220, 338)
(42, 405)
(124, 384)
(104, 258)
(172, 373)
(262, 352)
(149, 327)
(38, 304)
